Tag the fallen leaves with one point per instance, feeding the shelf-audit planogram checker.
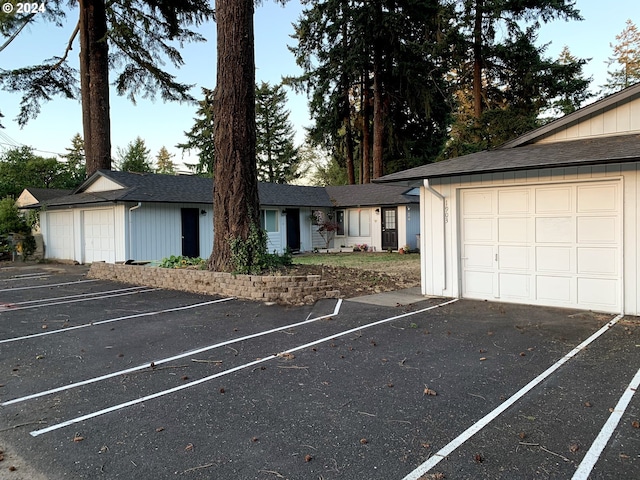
(428, 391)
(635, 424)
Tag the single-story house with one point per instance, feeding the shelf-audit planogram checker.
(382, 216)
(549, 218)
(118, 216)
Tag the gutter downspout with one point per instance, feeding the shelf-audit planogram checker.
(131, 228)
(440, 197)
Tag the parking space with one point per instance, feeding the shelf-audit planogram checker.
(146, 383)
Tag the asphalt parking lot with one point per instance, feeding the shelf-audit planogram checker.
(105, 380)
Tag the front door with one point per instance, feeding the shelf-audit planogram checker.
(389, 228)
(293, 229)
(190, 232)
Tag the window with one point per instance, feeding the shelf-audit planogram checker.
(340, 222)
(269, 220)
(359, 221)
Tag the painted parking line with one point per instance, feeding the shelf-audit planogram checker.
(190, 353)
(46, 285)
(484, 421)
(102, 322)
(31, 276)
(136, 290)
(592, 456)
(41, 302)
(114, 408)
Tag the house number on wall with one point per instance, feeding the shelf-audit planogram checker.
(446, 211)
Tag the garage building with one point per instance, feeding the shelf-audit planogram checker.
(550, 218)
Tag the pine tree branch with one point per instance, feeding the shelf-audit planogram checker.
(67, 50)
(17, 32)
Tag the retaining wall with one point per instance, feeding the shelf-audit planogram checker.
(288, 289)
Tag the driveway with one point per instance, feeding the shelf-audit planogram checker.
(104, 380)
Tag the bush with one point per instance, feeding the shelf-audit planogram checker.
(182, 262)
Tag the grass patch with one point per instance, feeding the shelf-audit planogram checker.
(354, 259)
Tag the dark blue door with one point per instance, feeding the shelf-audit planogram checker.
(190, 232)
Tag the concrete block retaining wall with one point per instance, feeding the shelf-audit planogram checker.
(288, 289)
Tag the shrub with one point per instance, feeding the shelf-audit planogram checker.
(178, 261)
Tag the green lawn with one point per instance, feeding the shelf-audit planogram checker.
(358, 259)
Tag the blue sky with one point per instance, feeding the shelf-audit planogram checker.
(162, 124)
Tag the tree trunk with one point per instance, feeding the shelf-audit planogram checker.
(236, 206)
(477, 60)
(366, 137)
(378, 123)
(94, 85)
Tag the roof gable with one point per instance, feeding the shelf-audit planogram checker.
(615, 114)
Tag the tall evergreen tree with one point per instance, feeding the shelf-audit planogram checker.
(374, 71)
(504, 81)
(164, 162)
(624, 65)
(135, 158)
(200, 137)
(133, 37)
(75, 162)
(236, 205)
(276, 155)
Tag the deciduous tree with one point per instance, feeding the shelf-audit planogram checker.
(624, 65)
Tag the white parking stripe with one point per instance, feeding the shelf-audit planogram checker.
(7, 308)
(51, 428)
(79, 298)
(102, 322)
(336, 310)
(17, 278)
(483, 422)
(47, 285)
(592, 456)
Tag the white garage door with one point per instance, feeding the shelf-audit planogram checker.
(557, 245)
(59, 235)
(98, 236)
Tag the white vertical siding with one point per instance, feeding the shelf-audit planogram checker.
(623, 119)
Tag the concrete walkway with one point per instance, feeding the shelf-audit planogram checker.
(406, 296)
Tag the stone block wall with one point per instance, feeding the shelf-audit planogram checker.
(286, 289)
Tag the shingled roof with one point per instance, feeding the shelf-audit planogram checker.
(370, 195)
(590, 151)
(156, 188)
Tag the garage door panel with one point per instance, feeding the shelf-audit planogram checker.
(597, 198)
(479, 256)
(555, 200)
(513, 257)
(478, 203)
(513, 202)
(597, 230)
(479, 283)
(554, 288)
(479, 230)
(514, 285)
(554, 230)
(513, 230)
(602, 292)
(599, 261)
(553, 259)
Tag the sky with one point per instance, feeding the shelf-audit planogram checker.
(163, 124)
